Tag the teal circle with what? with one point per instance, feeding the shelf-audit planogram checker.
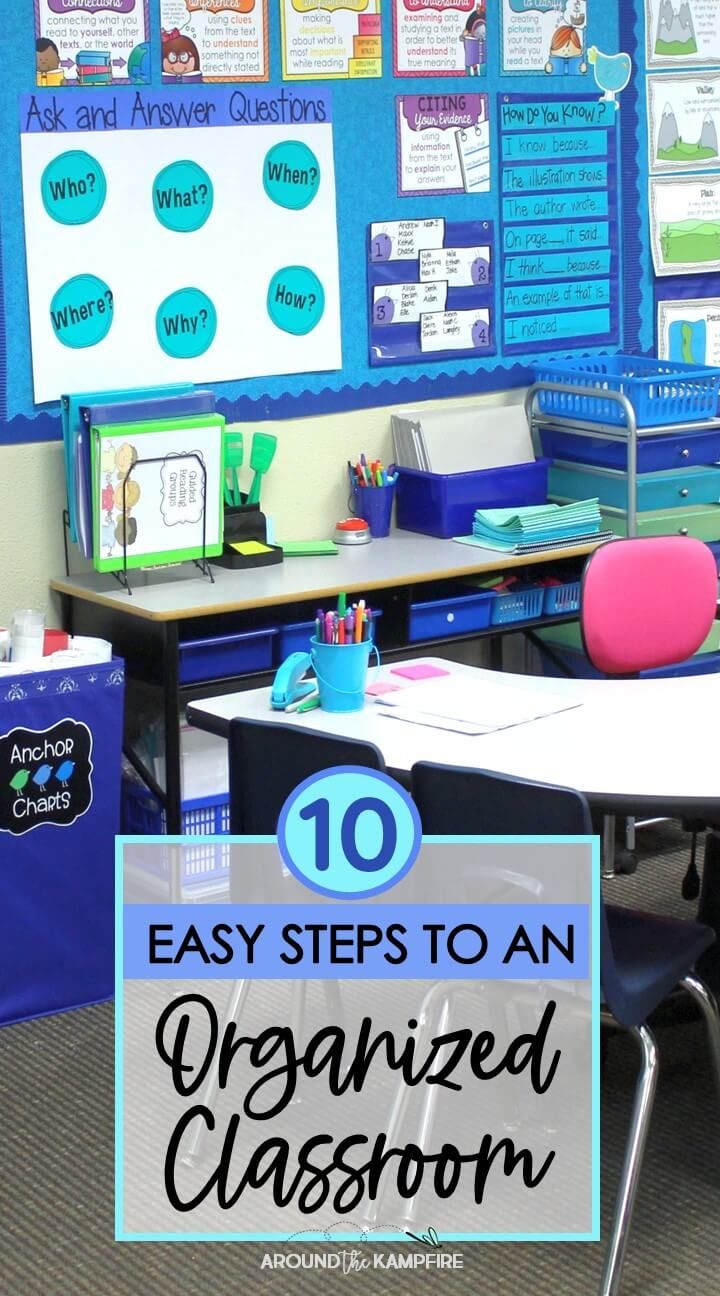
(291, 175)
(295, 300)
(182, 197)
(73, 188)
(81, 311)
(186, 323)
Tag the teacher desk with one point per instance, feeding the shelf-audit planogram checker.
(185, 636)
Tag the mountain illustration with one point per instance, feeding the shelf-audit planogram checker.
(676, 30)
(671, 147)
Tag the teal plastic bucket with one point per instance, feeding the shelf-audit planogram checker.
(341, 671)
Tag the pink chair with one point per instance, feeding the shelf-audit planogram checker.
(645, 603)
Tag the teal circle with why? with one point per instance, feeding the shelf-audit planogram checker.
(295, 300)
(291, 175)
(183, 197)
(81, 311)
(186, 323)
(73, 188)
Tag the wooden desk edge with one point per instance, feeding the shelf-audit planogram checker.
(66, 586)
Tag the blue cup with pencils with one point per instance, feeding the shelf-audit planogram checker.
(372, 494)
(340, 652)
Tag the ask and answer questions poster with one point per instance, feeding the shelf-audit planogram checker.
(358, 1049)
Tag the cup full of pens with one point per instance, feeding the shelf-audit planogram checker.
(372, 491)
(340, 652)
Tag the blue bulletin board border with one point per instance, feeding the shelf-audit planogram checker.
(364, 131)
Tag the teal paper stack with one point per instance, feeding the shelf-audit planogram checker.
(539, 526)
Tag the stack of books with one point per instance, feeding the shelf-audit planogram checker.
(539, 526)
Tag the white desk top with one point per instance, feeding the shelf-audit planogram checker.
(401, 559)
(631, 739)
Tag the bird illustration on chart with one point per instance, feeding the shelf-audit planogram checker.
(41, 775)
(64, 772)
(612, 73)
(19, 780)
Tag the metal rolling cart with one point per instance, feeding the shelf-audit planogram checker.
(556, 408)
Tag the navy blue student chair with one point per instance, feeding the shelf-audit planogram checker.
(267, 761)
(643, 957)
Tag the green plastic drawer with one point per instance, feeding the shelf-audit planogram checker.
(681, 488)
(702, 522)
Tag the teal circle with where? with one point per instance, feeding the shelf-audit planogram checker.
(81, 311)
(291, 175)
(73, 188)
(186, 323)
(183, 197)
(295, 300)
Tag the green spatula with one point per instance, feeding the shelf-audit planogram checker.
(262, 454)
(233, 461)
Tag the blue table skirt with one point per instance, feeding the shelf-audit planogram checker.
(60, 765)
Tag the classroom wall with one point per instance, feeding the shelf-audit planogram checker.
(305, 492)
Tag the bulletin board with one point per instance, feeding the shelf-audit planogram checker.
(467, 104)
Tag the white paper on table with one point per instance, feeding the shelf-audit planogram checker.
(477, 707)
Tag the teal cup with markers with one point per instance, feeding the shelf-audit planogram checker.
(341, 671)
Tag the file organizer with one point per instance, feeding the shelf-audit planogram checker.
(619, 461)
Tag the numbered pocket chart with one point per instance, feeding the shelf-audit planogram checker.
(135, 255)
(156, 492)
(431, 290)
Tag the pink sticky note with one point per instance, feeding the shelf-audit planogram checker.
(377, 690)
(419, 672)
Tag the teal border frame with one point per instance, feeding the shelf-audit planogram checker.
(592, 1236)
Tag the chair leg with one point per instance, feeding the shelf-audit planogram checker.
(608, 846)
(334, 1002)
(634, 1152)
(233, 1008)
(705, 999)
(430, 1099)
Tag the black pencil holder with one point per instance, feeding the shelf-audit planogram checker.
(242, 523)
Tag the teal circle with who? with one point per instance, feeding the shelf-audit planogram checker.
(349, 832)
(186, 323)
(183, 197)
(81, 311)
(73, 188)
(291, 175)
(295, 300)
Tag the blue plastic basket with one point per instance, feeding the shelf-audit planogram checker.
(519, 605)
(561, 599)
(661, 392)
(141, 815)
(444, 504)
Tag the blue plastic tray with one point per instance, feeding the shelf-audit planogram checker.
(444, 504)
(654, 453)
(561, 599)
(222, 656)
(661, 392)
(518, 605)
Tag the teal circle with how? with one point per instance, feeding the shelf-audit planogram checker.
(295, 300)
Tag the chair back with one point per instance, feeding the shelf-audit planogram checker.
(268, 760)
(647, 602)
(454, 801)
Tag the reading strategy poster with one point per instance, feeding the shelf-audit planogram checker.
(91, 44)
(341, 39)
(443, 144)
(434, 38)
(214, 40)
(545, 36)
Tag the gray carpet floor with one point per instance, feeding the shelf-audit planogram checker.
(56, 1171)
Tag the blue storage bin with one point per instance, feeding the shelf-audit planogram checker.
(654, 453)
(141, 815)
(225, 655)
(562, 599)
(661, 490)
(444, 505)
(578, 664)
(444, 618)
(518, 605)
(296, 638)
(660, 391)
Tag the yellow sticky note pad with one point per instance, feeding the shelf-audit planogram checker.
(249, 547)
